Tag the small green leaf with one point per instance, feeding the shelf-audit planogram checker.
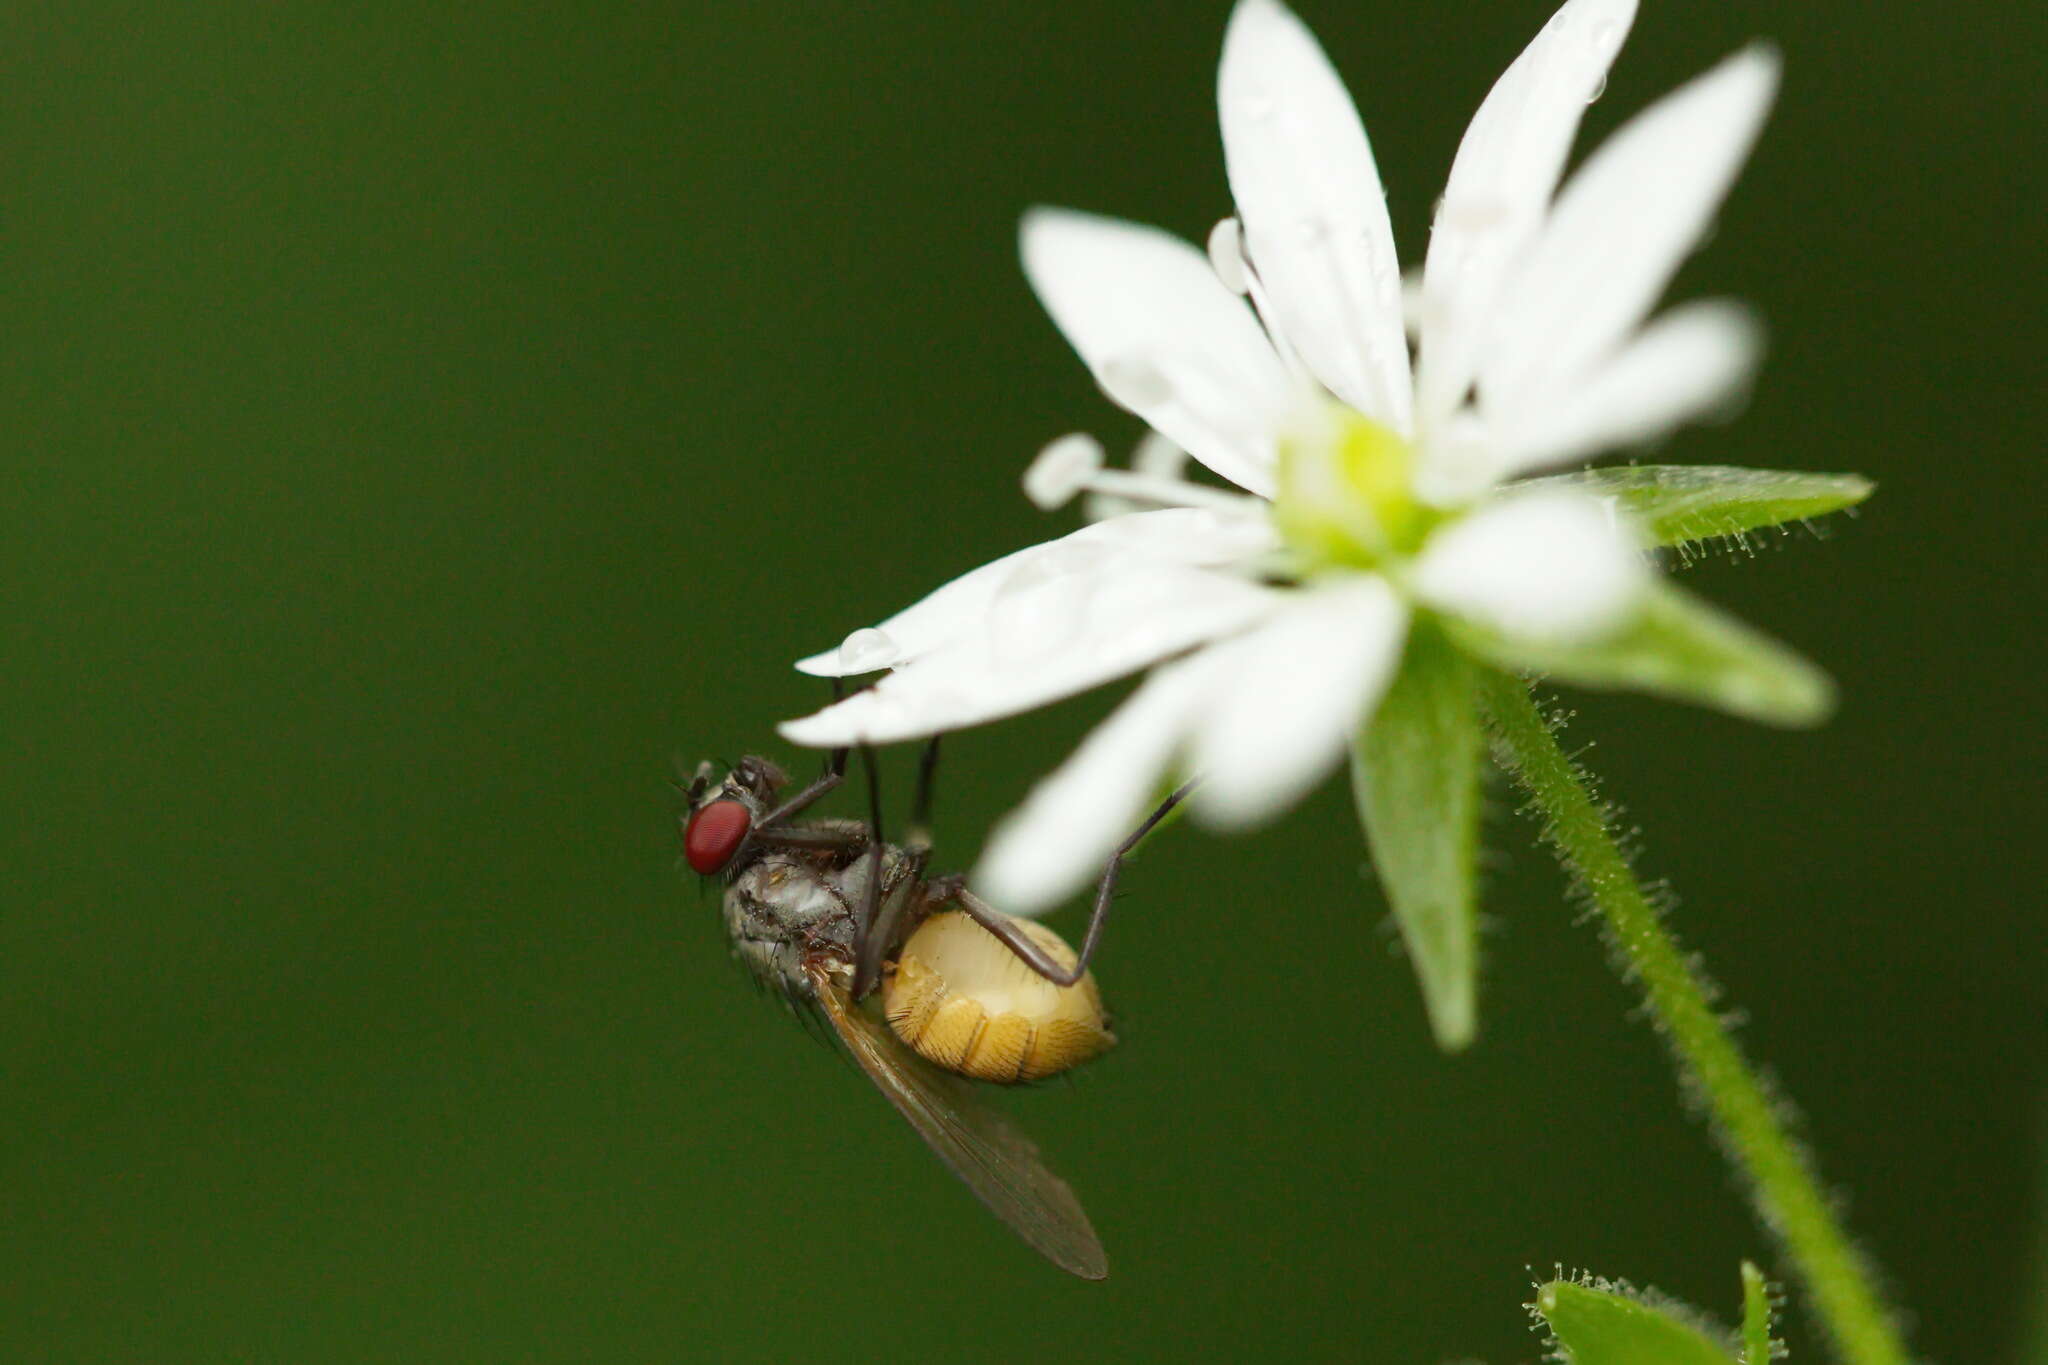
(1598, 1324)
(1415, 773)
(1756, 1316)
(1679, 504)
(1677, 646)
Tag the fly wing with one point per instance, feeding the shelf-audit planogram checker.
(981, 1145)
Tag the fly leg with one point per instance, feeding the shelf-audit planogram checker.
(834, 774)
(1036, 957)
(870, 933)
(920, 837)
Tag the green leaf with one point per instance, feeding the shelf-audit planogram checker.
(1415, 773)
(1756, 1316)
(1677, 646)
(1680, 504)
(1599, 1324)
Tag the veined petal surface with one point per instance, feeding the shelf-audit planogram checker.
(1182, 535)
(1044, 639)
(1289, 695)
(1620, 228)
(1162, 336)
(1061, 837)
(1689, 361)
(1548, 565)
(1315, 218)
(1499, 189)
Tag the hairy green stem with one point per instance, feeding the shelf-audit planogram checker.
(1787, 1194)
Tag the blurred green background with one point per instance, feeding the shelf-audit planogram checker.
(423, 420)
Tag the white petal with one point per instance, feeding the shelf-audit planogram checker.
(1315, 218)
(1182, 535)
(1162, 336)
(1619, 230)
(1549, 566)
(1695, 359)
(1500, 184)
(1290, 694)
(1060, 838)
(1042, 639)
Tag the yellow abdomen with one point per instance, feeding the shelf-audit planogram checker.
(965, 1002)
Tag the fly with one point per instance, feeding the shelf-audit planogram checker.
(828, 912)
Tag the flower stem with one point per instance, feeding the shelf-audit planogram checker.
(1787, 1194)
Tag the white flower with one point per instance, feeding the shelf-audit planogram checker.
(1374, 493)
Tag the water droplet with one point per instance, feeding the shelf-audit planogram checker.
(1226, 255)
(1604, 40)
(1134, 382)
(1599, 88)
(866, 650)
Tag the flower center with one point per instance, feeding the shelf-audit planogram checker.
(1346, 492)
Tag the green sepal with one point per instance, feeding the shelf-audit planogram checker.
(1415, 774)
(1756, 1316)
(1682, 504)
(1598, 1323)
(1676, 645)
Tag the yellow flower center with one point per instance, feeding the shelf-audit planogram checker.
(1346, 492)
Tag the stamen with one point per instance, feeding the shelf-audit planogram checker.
(1155, 456)
(1062, 469)
(1134, 382)
(1159, 457)
(1289, 357)
(1073, 464)
(1168, 492)
(1226, 255)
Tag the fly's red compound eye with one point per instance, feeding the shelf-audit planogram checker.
(714, 834)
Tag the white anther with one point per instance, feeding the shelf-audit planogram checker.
(1134, 382)
(1062, 469)
(1226, 255)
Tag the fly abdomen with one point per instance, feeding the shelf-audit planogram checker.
(964, 1001)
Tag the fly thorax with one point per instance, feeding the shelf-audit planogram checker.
(780, 909)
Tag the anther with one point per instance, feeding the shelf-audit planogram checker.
(1226, 255)
(1061, 470)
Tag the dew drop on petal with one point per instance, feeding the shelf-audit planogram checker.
(1226, 255)
(1134, 382)
(1062, 469)
(1599, 89)
(1604, 40)
(866, 650)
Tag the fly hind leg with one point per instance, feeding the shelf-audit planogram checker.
(1036, 957)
